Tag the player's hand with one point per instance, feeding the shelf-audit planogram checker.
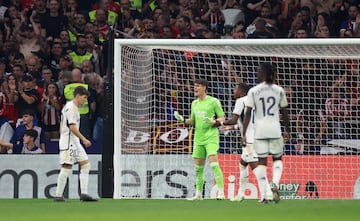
(243, 141)
(216, 124)
(209, 120)
(286, 137)
(86, 142)
(178, 116)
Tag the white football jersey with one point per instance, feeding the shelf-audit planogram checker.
(266, 100)
(69, 115)
(239, 109)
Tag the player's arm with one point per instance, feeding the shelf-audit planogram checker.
(285, 119)
(232, 121)
(76, 132)
(247, 118)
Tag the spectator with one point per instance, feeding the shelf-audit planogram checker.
(18, 72)
(350, 22)
(183, 25)
(27, 123)
(310, 128)
(54, 60)
(46, 77)
(65, 41)
(87, 67)
(301, 32)
(324, 32)
(102, 25)
(6, 132)
(110, 17)
(81, 53)
(77, 27)
(96, 50)
(28, 97)
(8, 99)
(50, 109)
(261, 31)
(337, 112)
(214, 17)
(28, 146)
(307, 20)
(127, 16)
(54, 22)
(323, 19)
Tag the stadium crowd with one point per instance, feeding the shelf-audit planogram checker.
(48, 47)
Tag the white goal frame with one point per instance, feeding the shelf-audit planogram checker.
(118, 43)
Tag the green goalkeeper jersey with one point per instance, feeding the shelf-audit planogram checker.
(209, 107)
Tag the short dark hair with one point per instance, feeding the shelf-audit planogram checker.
(27, 112)
(81, 91)
(269, 70)
(203, 82)
(31, 133)
(243, 87)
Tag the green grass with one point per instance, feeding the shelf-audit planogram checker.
(174, 210)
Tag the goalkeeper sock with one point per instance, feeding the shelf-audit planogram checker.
(244, 177)
(218, 175)
(61, 181)
(260, 173)
(199, 178)
(277, 172)
(84, 178)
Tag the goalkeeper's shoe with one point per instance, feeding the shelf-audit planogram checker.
(59, 199)
(196, 197)
(87, 198)
(238, 198)
(275, 192)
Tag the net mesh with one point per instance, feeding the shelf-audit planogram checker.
(322, 86)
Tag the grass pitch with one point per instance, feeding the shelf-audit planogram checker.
(176, 210)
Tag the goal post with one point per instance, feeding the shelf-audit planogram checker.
(154, 77)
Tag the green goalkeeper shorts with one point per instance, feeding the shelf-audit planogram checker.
(202, 151)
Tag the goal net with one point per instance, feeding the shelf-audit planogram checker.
(153, 78)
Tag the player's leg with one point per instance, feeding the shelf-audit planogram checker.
(199, 155)
(244, 178)
(66, 164)
(212, 152)
(276, 150)
(262, 150)
(82, 158)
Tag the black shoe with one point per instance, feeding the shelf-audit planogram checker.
(87, 198)
(59, 199)
(275, 192)
(264, 201)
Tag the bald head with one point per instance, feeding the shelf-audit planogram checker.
(76, 75)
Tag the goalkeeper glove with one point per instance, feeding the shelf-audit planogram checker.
(209, 120)
(178, 117)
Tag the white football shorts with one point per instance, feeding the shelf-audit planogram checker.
(273, 147)
(74, 154)
(249, 154)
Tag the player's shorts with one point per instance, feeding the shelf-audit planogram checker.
(74, 154)
(269, 146)
(249, 154)
(202, 151)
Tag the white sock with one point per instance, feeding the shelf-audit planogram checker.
(244, 178)
(260, 173)
(277, 172)
(61, 181)
(84, 178)
(269, 193)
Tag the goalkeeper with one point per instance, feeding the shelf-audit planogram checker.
(206, 137)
